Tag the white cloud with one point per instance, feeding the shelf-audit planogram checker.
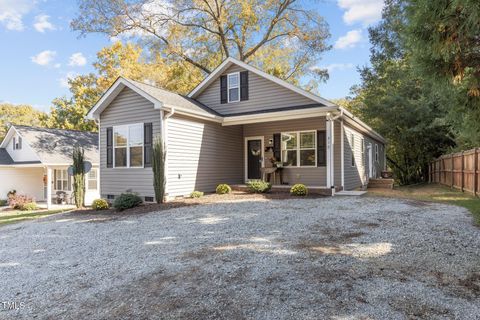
(41, 23)
(363, 11)
(12, 12)
(64, 80)
(44, 58)
(350, 40)
(77, 60)
(339, 66)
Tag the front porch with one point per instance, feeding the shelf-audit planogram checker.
(318, 190)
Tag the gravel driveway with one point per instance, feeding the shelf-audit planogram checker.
(332, 258)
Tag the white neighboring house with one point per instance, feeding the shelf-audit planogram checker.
(34, 162)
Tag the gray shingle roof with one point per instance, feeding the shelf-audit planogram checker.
(173, 99)
(56, 145)
(5, 157)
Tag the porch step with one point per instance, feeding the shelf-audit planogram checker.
(381, 183)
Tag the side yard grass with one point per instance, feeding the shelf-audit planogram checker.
(436, 193)
(18, 216)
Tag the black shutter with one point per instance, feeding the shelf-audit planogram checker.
(147, 144)
(110, 147)
(223, 89)
(19, 142)
(277, 146)
(321, 149)
(14, 145)
(243, 85)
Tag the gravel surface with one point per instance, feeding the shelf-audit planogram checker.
(331, 258)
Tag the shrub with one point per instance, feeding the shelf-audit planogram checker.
(100, 204)
(18, 201)
(3, 203)
(127, 201)
(30, 206)
(258, 186)
(223, 189)
(196, 194)
(299, 190)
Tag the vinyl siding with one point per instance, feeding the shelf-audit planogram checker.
(337, 153)
(313, 176)
(201, 155)
(356, 177)
(127, 108)
(263, 95)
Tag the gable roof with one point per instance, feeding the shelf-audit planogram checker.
(5, 157)
(55, 146)
(161, 98)
(231, 61)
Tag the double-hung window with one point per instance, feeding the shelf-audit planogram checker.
(128, 146)
(299, 149)
(233, 87)
(92, 178)
(62, 180)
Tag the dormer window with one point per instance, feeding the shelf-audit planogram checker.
(17, 143)
(234, 87)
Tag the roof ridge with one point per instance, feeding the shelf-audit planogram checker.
(57, 129)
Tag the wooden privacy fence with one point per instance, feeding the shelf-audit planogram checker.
(458, 170)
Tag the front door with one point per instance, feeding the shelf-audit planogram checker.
(254, 159)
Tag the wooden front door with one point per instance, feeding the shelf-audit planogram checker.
(254, 159)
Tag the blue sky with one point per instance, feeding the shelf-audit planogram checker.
(39, 50)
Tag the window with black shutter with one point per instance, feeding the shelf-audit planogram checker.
(223, 89)
(110, 147)
(277, 146)
(321, 149)
(243, 85)
(147, 145)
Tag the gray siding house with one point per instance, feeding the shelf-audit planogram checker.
(236, 123)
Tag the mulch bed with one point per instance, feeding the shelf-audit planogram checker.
(186, 202)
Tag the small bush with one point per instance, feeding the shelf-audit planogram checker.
(258, 186)
(299, 190)
(100, 204)
(223, 189)
(127, 201)
(196, 194)
(31, 206)
(3, 203)
(18, 201)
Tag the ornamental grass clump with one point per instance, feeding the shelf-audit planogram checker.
(196, 194)
(299, 190)
(223, 189)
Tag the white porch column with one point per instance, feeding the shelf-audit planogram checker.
(49, 188)
(342, 144)
(329, 151)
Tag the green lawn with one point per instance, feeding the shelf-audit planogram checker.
(436, 193)
(18, 216)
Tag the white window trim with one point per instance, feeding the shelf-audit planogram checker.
(88, 180)
(228, 86)
(376, 152)
(64, 178)
(128, 145)
(353, 161)
(363, 152)
(299, 148)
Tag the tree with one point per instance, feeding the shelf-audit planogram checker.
(78, 157)
(401, 105)
(158, 167)
(19, 115)
(281, 37)
(70, 113)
